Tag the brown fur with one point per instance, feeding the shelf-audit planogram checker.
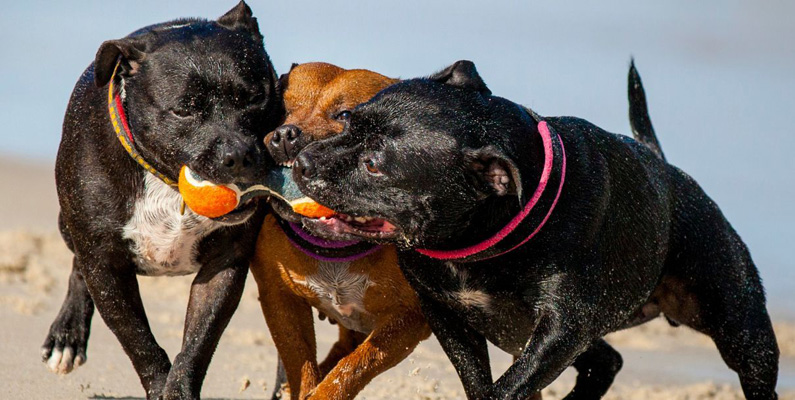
(315, 93)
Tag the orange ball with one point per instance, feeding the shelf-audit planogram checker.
(204, 197)
(310, 208)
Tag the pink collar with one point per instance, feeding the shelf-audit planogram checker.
(546, 137)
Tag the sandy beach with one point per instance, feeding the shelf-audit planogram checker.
(660, 362)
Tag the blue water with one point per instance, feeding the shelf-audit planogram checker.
(720, 77)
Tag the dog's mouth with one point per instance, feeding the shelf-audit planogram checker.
(346, 227)
(228, 203)
(287, 197)
(240, 214)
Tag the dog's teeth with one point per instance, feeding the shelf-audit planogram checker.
(360, 220)
(289, 164)
(368, 219)
(322, 218)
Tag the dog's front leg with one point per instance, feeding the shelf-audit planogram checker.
(291, 324)
(553, 346)
(348, 342)
(214, 297)
(393, 340)
(114, 289)
(465, 347)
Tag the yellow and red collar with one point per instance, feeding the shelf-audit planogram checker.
(122, 128)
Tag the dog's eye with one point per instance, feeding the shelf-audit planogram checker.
(181, 112)
(343, 116)
(371, 166)
(256, 98)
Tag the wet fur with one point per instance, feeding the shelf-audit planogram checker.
(379, 317)
(631, 236)
(121, 221)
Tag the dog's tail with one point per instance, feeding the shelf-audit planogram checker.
(639, 113)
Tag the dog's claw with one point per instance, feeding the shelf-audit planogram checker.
(62, 361)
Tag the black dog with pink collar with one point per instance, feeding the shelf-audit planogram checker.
(540, 235)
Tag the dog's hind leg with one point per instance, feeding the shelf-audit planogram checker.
(596, 369)
(717, 291)
(736, 320)
(67, 341)
(750, 349)
(711, 284)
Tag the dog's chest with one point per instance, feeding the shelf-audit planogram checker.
(500, 314)
(340, 294)
(164, 242)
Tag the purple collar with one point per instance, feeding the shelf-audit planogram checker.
(326, 250)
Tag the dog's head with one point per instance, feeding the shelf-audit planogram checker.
(417, 161)
(198, 93)
(318, 100)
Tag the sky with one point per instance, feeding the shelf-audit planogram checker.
(719, 76)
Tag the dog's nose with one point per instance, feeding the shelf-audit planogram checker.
(304, 165)
(236, 160)
(283, 143)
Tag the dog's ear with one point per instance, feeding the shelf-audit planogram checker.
(284, 79)
(495, 171)
(129, 51)
(462, 74)
(241, 17)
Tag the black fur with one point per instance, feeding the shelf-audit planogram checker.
(631, 237)
(199, 93)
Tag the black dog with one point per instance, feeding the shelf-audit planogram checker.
(540, 235)
(187, 92)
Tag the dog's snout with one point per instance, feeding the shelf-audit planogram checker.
(284, 143)
(286, 132)
(236, 160)
(304, 165)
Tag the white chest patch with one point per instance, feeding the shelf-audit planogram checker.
(341, 293)
(164, 242)
(466, 295)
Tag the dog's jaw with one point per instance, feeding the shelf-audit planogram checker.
(347, 227)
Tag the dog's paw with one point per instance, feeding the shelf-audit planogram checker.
(65, 346)
(181, 382)
(178, 392)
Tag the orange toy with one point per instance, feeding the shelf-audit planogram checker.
(310, 208)
(204, 197)
(211, 200)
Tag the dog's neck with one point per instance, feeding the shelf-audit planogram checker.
(500, 224)
(322, 249)
(123, 132)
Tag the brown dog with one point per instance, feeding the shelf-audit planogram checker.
(358, 285)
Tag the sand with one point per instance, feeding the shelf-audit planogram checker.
(660, 362)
